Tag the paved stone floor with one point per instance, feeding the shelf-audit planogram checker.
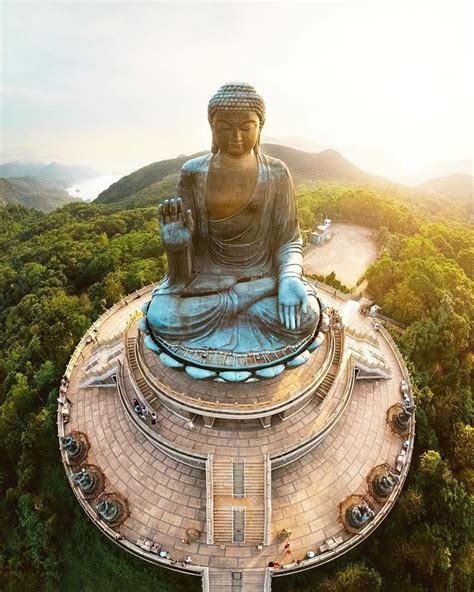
(166, 497)
(349, 252)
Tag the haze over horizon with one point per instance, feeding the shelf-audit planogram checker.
(118, 86)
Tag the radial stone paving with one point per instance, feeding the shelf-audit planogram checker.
(225, 469)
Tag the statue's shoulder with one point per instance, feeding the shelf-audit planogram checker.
(195, 165)
(277, 166)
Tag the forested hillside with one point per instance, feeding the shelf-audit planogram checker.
(59, 271)
(34, 192)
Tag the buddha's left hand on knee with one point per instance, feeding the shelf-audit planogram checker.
(292, 302)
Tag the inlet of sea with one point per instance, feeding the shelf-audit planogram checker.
(90, 188)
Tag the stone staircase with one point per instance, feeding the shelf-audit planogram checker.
(337, 346)
(221, 580)
(239, 500)
(325, 386)
(145, 389)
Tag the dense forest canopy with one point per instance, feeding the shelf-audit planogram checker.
(60, 271)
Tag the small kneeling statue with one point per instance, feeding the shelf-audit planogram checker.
(235, 283)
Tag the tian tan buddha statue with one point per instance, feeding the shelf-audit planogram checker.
(235, 295)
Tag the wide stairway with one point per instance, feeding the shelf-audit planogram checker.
(221, 580)
(239, 499)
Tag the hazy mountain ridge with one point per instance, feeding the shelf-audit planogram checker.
(308, 167)
(65, 174)
(33, 192)
(455, 186)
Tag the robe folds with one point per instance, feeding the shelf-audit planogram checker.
(230, 301)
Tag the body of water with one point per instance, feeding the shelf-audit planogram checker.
(90, 188)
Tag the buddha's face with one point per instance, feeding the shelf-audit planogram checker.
(235, 132)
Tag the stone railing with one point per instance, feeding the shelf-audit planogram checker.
(88, 335)
(355, 540)
(351, 542)
(120, 540)
(361, 335)
(267, 585)
(205, 579)
(267, 494)
(333, 291)
(401, 362)
(386, 319)
(289, 455)
(229, 410)
(100, 321)
(188, 457)
(364, 363)
(210, 498)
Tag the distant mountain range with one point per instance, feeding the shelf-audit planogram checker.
(42, 186)
(39, 185)
(64, 174)
(33, 192)
(305, 167)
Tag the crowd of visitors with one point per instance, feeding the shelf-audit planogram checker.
(64, 401)
(143, 412)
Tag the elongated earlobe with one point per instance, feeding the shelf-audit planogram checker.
(214, 146)
(256, 148)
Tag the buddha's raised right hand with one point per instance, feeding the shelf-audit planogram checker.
(176, 225)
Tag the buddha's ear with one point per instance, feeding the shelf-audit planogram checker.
(256, 148)
(214, 146)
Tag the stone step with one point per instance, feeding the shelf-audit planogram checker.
(229, 581)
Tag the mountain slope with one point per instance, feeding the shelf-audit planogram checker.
(327, 165)
(143, 178)
(32, 192)
(454, 186)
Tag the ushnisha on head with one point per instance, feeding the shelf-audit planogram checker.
(236, 114)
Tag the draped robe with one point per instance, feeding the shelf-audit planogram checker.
(230, 300)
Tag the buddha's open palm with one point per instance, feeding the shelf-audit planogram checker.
(176, 225)
(292, 302)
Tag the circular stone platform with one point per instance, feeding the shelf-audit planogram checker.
(237, 462)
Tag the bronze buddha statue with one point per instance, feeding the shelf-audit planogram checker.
(235, 283)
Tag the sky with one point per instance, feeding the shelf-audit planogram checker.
(118, 85)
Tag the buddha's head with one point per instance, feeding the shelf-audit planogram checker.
(236, 114)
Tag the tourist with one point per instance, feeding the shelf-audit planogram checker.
(153, 418)
(190, 425)
(274, 564)
(68, 400)
(66, 412)
(60, 401)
